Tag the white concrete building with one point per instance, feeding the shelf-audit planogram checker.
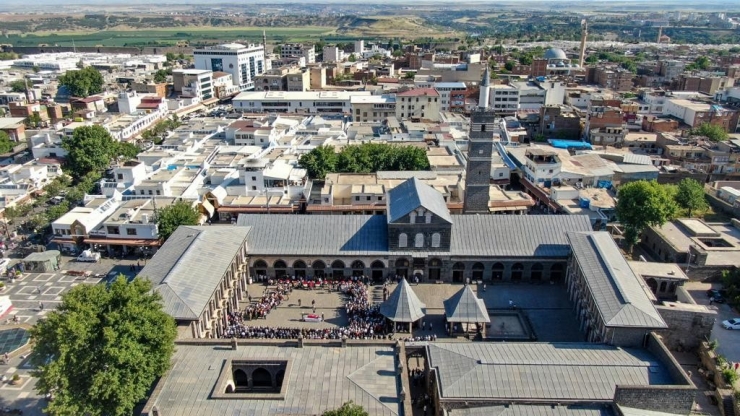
(289, 50)
(333, 54)
(242, 62)
(504, 99)
(309, 102)
(193, 83)
(445, 90)
(46, 144)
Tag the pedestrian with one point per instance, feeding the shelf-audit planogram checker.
(711, 300)
(41, 306)
(299, 303)
(511, 304)
(314, 309)
(430, 326)
(737, 366)
(484, 287)
(424, 326)
(322, 316)
(38, 289)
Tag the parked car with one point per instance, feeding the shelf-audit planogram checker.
(731, 323)
(716, 296)
(88, 256)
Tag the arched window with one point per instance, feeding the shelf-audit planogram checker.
(419, 240)
(261, 378)
(299, 268)
(402, 240)
(436, 239)
(281, 269)
(428, 217)
(556, 272)
(318, 268)
(517, 271)
(412, 217)
(260, 268)
(240, 378)
(358, 268)
(497, 271)
(337, 269)
(478, 271)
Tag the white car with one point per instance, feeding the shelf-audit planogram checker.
(88, 256)
(731, 324)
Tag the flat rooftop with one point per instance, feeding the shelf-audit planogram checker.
(320, 379)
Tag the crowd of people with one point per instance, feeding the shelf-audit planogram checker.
(365, 320)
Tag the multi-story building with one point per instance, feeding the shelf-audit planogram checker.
(615, 78)
(333, 54)
(559, 121)
(603, 118)
(419, 103)
(284, 78)
(707, 85)
(504, 99)
(244, 63)
(289, 50)
(373, 108)
(446, 90)
(309, 102)
(670, 69)
(193, 83)
(318, 77)
(694, 113)
(299, 80)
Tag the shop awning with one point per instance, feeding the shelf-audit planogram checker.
(245, 210)
(124, 242)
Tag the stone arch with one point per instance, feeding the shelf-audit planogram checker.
(517, 271)
(402, 267)
(260, 267)
(536, 272)
(358, 268)
(240, 378)
(478, 269)
(279, 377)
(337, 269)
(299, 268)
(281, 268)
(319, 268)
(557, 271)
(497, 271)
(377, 267)
(458, 272)
(435, 269)
(261, 378)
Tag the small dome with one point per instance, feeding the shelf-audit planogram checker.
(555, 53)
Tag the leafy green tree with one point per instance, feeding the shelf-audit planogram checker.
(33, 120)
(55, 212)
(319, 161)
(83, 82)
(160, 76)
(39, 221)
(690, 196)
(101, 350)
(642, 204)
(352, 58)
(525, 60)
(701, 63)
(713, 132)
(128, 150)
(36, 69)
(18, 86)
(397, 53)
(347, 409)
(409, 75)
(90, 149)
(175, 215)
(509, 66)
(6, 145)
(592, 59)
(170, 56)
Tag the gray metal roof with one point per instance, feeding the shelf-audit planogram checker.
(403, 305)
(535, 410)
(619, 294)
(354, 235)
(188, 268)
(412, 194)
(635, 159)
(547, 371)
(464, 306)
(320, 379)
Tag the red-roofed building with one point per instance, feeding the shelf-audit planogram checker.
(151, 103)
(418, 104)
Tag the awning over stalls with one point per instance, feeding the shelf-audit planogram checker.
(124, 242)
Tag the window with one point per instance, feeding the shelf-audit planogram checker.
(357, 198)
(120, 176)
(428, 217)
(412, 217)
(113, 230)
(402, 240)
(150, 192)
(254, 178)
(158, 193)
(419, 240)
(436, 238)
(254, 188)
(130, 231)
(368, 197)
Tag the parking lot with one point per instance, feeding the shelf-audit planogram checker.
(729, 341)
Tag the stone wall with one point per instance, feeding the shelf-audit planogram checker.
(31, 50)
(668, 399)
(688, 325)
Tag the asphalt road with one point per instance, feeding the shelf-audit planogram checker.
(729, 341)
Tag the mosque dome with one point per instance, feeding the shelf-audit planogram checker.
(555, 53)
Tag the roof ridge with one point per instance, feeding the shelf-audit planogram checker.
(182, 301)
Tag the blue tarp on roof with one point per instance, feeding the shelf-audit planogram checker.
(569, 144)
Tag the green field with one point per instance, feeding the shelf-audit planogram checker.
(170, 36)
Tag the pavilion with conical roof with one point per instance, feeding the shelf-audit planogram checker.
(464, 307)
(403, 305)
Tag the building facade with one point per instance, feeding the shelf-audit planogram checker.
(243, 62)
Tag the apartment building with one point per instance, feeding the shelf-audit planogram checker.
(243, 62)
(290, 50)
(373, 108)
(419, 103)
(504, 99)
(193, 83)
(446, 90)
(309, 102)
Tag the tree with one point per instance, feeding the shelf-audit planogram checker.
(101, 350)
(127, 150)
(509, 65)
(352, 58)
(90, 149)
(347, 409)
(175, 215)
(701, 63)
(39, 221)
(6, 145)
(525, 60)
(690, 196)
(397, 53)
(170, 56)
(409, 75)
(642, 204)
(160, 76)
(713, 132)
(83, 82)
(18, 85)
(55, 212)
(36, 69)
(319, 161)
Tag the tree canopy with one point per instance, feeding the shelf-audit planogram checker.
(642, 204)
(175, 215)
(6, 145)
(364, 158)
(690, 196)
(700, 63)
(90, 150)
(713, 132)
(348, 409)
(83, 82)
(102, 349)
(160, 76)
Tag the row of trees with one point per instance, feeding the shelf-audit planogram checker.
(364, 158)
(155, 133)
(643, 204)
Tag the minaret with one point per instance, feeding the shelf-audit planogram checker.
(584, 36)
(480, 150)
(264, 41)
(485, 90)
(660, 33)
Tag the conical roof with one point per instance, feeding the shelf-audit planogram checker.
(403, 305)
(465, 307)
